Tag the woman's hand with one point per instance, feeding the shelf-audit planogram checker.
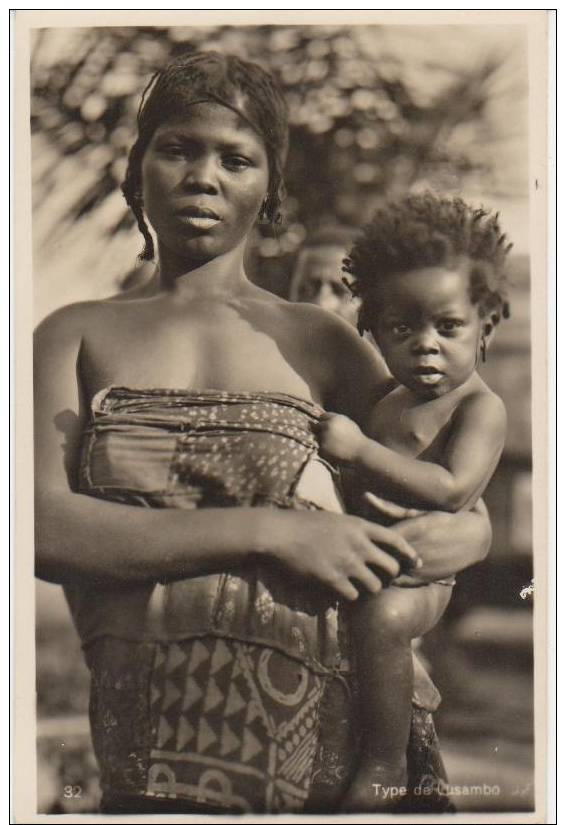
(447, 542)
(345, 553)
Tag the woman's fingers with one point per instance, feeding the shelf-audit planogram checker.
(383, 561)
(390, 539)
(345, 588)
(389, 508)
(368, 579)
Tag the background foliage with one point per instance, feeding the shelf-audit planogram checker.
(375, 111)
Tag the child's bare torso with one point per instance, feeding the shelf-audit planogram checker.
(416, 427)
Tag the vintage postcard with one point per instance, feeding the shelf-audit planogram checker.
(280, 309)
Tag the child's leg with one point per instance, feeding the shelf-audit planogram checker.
(383, 627)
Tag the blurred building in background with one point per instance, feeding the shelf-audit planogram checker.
(375, 111)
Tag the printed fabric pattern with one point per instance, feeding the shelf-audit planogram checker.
(228, 692)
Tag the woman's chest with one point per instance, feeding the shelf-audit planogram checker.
(228, 353)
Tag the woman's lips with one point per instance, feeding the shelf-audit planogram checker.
(199, 217)
(200, 223)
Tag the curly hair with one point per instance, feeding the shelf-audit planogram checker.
(426, 230)
(210, 77)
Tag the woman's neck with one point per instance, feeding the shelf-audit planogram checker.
(221, 276)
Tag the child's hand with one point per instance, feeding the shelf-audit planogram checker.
(340, 438)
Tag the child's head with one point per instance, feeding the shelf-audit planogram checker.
(431, 275)
(210, 77)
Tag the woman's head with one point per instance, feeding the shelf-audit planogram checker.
(432, 279)
(202, 83)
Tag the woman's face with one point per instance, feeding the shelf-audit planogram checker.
(204, 178)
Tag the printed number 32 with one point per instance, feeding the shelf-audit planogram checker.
(72, 791)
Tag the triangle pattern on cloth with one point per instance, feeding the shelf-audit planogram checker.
(155, 694)
(206, 736)
(172, 693)
(228, 741)
(175, 658)
(199, 654)
(253, 711)
(185, 733)
(159, 658)
(192, 693)
(251, 746)
(165, 732)
(213, 696)
(237, 669)
(234, 702)
(220, 657)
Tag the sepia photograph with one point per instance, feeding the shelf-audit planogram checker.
(284, 277)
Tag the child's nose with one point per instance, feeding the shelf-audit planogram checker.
(425, 344)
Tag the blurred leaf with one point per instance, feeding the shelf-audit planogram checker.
(368, 119)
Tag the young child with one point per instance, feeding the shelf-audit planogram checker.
(430, 274)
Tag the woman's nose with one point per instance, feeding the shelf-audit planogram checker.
(201, 174)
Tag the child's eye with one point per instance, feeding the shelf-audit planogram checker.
(237, 162)
(401, 329)
(449, 324)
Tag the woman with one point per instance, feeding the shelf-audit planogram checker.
(199, 539)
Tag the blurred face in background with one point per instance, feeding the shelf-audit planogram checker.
(317, 279)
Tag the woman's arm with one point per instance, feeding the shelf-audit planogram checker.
(357, 375)
(447, 542)
(79, 536)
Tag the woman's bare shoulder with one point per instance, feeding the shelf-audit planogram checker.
(313, 317)
(80, 317)
(356, 375)
(71, 318)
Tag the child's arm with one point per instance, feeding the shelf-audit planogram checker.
(468, 461)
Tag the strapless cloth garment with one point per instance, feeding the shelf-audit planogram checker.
(233, 691)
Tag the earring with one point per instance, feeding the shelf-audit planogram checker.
(483, 349)
(262, 214)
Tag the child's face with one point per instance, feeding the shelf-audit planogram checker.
(428, 329)
(204, 178)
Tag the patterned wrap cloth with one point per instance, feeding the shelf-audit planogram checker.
(234, 691)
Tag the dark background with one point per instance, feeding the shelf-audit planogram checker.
(375, 111)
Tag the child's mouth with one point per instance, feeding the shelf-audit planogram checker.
(428, 375)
